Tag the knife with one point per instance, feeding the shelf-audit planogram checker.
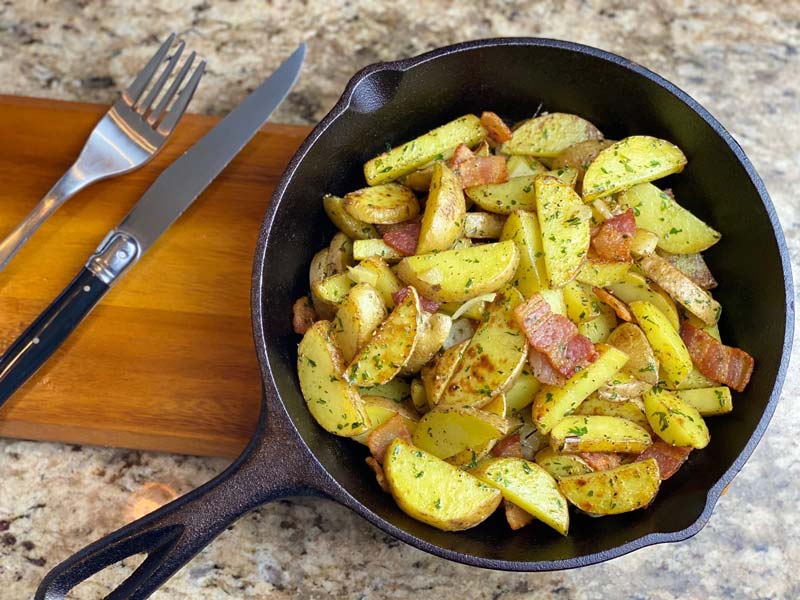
(158, 208)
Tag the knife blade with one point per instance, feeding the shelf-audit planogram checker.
(158, 208)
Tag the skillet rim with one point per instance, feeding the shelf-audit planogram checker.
(337, 492)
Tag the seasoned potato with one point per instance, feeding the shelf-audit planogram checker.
(644, 242)
(598, 433)
(553, 403)
(352, 227)
(434, 492)
(432, 334)
(333, 403)
(363, 249)
(561, 465)
(614, 491)
(447, 431)
(642, 362)
(636, 159)
(443, 220)
(437, 144)
(667, 344)
(632, 410)
(471, 309)
(389, 349)
(333, 289)
(379, 410)
(377, 273)
(678, 230)
(695, 380)
(494, 357)
(523, 229)
(385, 204)
(358, 316)
(397, 390)
(599, 328)
(708, 401)
(458, 275)
(529, 486)
(675, 421)
(504, 198)
(418, 397)
(579, 156)
(483, 226)
(555, 298)
(316, 273)
(340, 254)
(436, 375)
(565, 224)
(622, 386)
(566, 175)
(520, 166)
(635, 288)
(550, 134)
(581, 305)
(601, 273)
(522, 392)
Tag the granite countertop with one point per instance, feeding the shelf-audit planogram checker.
(739, 59)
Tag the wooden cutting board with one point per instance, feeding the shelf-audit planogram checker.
(166, 361)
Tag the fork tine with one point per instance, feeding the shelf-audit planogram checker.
(176, 111)
(131, 95)
(141, 107)
(173, 88)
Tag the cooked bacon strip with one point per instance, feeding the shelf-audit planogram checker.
(383, 435)
(477, 170)
(618, 305)
(724, 364)
(613, 238)
(542, 369)
(379, 474)
(601, 461)
(694, 267)
(555, 336)
(516, 517)
(428, 305)
(303, 315)
(510, 446)
(461, 154)
(404, 238)
(498, 130)
(669, 458)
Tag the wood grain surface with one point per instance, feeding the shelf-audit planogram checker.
(166, 361)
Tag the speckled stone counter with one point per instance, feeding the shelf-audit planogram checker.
(738, 59)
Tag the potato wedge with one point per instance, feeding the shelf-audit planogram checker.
(447, 431)
(385, 204)
(599, 328)
(561, 465)
(443, 220)
(635, 288)
(333, 403)
(695, 380)
(579, 156)
(614, 491)
(358, 316)
(352, 227)
(483, 226)
(458, 275)
(598, 433)
(636, 159)
(529, 486)
(522, 392)
(708, 401)
(622, 386)
(642, 363)
(555, 298)
(632, 410)
(566, 175)
(377, 273)
(389, 348)
(504, 198)
(397, 390)
(523, 229)
(364, 249)
(436, 375)
(667, 344)
(333, 289)
(493, 359)
(520, 165)
(581, 305)
(437, 144)
(678, 230)
(693, 266)
(675, 421)
(473, 308)
(600, 274)
(553, 403)
(550, 134)
(644, 242)
(316, 273)
(340, 253)
(565, 223)
(379, 410)
(432, 334)
(418, 397)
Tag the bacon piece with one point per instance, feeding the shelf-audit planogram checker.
(383, 435)
(303, 315)
(477, 170)
(542, 369)
(379, 474)
(618, 305)
(669, 458)
(510, 446)
(428, 305)
(724, 364)
(516, 517)
(404, 238)
(555, 336)
(613, 238)
(601, 461)
(498, 130)
(461, 154)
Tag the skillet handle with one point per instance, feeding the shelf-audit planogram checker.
(274, 465)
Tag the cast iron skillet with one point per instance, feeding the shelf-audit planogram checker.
(290, 455)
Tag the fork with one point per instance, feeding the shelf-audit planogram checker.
(128, 136)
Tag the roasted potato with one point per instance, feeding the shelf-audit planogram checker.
(550, 134)
(358, 316)
(708, 401)
(635, 287)
(445, 210)
(615, 491)
(483, 226)
(432, 333)
(384, 204)
(352, 227)
(435, 375)
(364, 249)
(598, 433)
(316, 273)
(622, 386)
(523, 229)
(582, 306)
(599, 328)
(522, 392)
(397, 390)
(642, 363)
(601, 273)
(673, 357)
(376, 273)
(418, 397)
(447, 431)
(340, 254)
(379, 410)
(561, 465)
(630, 409)
(579, 156)
(675, 421)
(504, 198)
(333, 289)
(519, 165)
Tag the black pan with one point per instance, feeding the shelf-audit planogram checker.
(290, 455)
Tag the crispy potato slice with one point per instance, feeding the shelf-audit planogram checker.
(614, 491)
(622, 386)
(436, 375)
(520, 165)
(636, 159)
(631, 409)
(579, 156)
(483, 226)
(529, 486)
(333, 289)
(434, 492)
(678, 230)
(352, 227)
(437, 144)
(522, 392)
(432, 334)
(550, 134)
(358, 316)
(600, 274)
(504, 198)
(523, 229)
(458, 275)
(581, 305)
(363, 249)
(635, 288)
(598, 433)
(397, 390)
(379, 410)
(561, 465)
(340, 253)
(642, 363)
(667, 344)
(708, 401)
(333, 403)
(445, 209)
(377, 273)
(447, 431)
(599, 328)
(494, 357)
(565, 224)
(553, 403)
(390, 347)
(675, 421)
(385, 204)
(316, 273)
